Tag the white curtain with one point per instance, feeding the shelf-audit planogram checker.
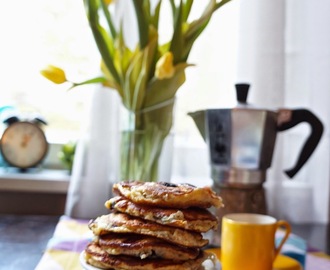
(284, 52)
(96, 160)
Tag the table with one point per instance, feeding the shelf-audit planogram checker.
(24, 240)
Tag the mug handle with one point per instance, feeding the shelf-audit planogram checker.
(286, 225)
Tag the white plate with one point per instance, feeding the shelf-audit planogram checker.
(85, 265)
(208, 264)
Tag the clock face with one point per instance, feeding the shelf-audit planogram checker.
(23, 145)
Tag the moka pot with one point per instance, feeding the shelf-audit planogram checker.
(241, 140)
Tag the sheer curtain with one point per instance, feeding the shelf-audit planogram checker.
(284, 52)
(96, 160)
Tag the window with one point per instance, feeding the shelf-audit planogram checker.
(41, 32)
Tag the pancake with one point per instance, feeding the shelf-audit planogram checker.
(144, 247)
(194, 219)
(162, 194)
(123, 223)
(96, 256)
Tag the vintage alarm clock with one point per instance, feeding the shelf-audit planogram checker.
(23, 143)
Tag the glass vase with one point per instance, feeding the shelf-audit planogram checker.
(142, 141)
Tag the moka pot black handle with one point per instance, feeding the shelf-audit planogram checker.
(292, 118)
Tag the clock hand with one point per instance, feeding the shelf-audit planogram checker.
(25, 141)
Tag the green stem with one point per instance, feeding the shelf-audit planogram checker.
(142, 23)
(220, 4)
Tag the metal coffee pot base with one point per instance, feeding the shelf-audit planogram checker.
(235, 177)
(238, 200)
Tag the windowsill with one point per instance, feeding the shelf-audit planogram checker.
(37, 180)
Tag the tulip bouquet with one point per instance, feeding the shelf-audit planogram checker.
(147, 77)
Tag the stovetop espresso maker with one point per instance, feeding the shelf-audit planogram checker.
(241, 142)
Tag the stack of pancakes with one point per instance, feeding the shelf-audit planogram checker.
(153, 226)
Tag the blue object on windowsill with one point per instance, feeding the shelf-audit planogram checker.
(5, 111)
(295, 247)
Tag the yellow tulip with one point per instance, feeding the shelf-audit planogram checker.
(108, 2)
(54, 74)
(164, 67)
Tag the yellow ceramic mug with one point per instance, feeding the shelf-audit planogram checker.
(248, 241)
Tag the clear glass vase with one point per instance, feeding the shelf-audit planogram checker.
(143, 140)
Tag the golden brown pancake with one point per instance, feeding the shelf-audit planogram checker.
(144, 247)
(96, 256)
(195, 219)
(123, 223)
(169, 195)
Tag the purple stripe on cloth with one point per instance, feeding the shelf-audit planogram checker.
(75, 246)
(314, 262)
(312, 249)
(81, 221)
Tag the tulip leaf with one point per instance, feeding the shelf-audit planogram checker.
(173, 6)
(90, 81)
(221, 3)
(186, 9)
(142, 23)
(159, 116)
(110, 82)
(159, 91)
(155, 17)
(176, 46)
(103, 41)
(196, 28)
(139, 88)
(107, 16)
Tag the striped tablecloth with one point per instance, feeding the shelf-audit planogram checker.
(72, 235)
